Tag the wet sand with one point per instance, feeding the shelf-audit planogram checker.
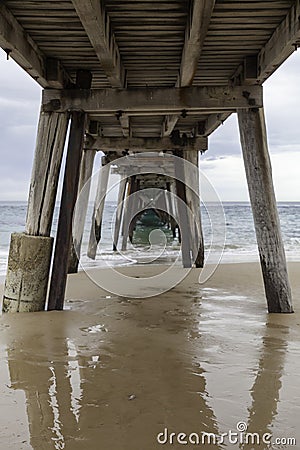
(111, 373)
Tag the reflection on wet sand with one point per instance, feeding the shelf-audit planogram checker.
(75, 380)
(112, 373)
(266, 388)
(136, 387)
(45, 382)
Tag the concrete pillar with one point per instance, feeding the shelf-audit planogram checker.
(262, 196)
(27, 273)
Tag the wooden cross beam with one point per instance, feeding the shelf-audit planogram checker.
(110, 144)
(166, 170)
(195, 35)
(19, 45)
(283, 42)
(156, 100)
(205, 128)
(281, 45)
(97, 26)
(124, 120)
(196, 31)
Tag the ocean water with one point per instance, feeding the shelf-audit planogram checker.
(240, 244)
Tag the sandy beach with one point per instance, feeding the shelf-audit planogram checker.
(114, 372)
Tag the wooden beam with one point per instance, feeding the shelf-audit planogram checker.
(195, 35)
(196, 31)
(96, 23)
(146, 144)
(21, 47)
(281, 45)
(68, 200)
(169, 124)
(250, 71)
(124, 120)
(173, 100)
(266, 220)
(94, 129)
(57, 76)
(211, 123)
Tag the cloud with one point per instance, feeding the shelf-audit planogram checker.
(225, 140)
(282, 93)
(19, 108)
(227, 175)
(281, 100)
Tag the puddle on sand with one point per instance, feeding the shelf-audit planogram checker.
(95, 329)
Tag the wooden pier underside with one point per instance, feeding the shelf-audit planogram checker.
(150, 76)
(151, 44)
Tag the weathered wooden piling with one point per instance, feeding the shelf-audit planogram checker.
(119, 212)
(193, 202)
(173, 211)
(262, 196)
(184, 224)
(164, 207)
(68, 200)
(50, 142)
(132, 188)
(86, 169)
(97, 217)
(168, 203)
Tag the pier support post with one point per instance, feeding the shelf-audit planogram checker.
(119, 213)
(183, 218)
(95, 233)
(127, 212)
(168, 203)
(68, 200)
(164, 212)
(30, 252)
(134, 219)
(86, 169)
(173, 212)
(262, 196)
(50, 142)
(193, 202)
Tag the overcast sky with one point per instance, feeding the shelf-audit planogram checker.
(222, 163)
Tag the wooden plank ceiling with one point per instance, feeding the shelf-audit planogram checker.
(151, 43)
